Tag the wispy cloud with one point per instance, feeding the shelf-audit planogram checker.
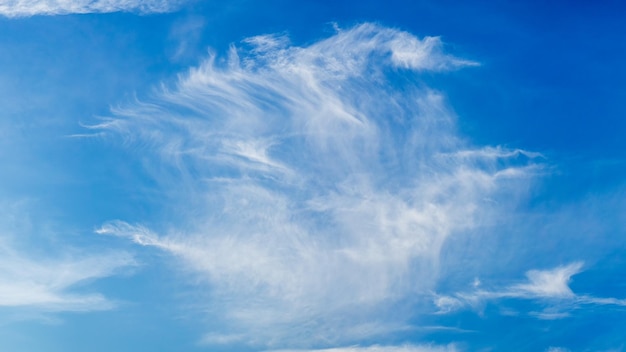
(49, 283)
(317, 184)
(557, 349)
(549, 283)
(26, 8)
(550, 286)
(376, 348)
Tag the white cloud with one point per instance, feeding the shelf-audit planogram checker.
(546, 285)
(315, 195)
(376, 348)
(602, 300)
(547, 315)
(46, 282)
(26, 8)
(557, 349)
(549, 283)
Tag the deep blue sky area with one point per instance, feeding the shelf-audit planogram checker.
(349, 176)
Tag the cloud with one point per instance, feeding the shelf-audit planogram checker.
(315, 185)
(26, 8)
(557, 349)
(43, 282)
(376, 348)
(550, 285)
(47, 285)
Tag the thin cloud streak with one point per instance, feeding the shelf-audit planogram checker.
(550, 286)
(376, 348)
(46, 285)
(32, 282)
(317, 195)
(27, 8)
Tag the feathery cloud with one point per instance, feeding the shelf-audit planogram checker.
(26, 8)
(405, 348)
(49, 283)
(550, 285)
(316, 192)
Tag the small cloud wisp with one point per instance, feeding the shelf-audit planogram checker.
(49, 285)
(28, 8)
(551, 286)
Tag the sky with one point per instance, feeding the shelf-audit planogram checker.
(338, 176)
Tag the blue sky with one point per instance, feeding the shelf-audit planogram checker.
(372, 176)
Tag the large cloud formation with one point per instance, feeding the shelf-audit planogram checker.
(315, 185)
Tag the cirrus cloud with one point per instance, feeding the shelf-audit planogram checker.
(317, 185)
(27, 8)
(52, 282)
